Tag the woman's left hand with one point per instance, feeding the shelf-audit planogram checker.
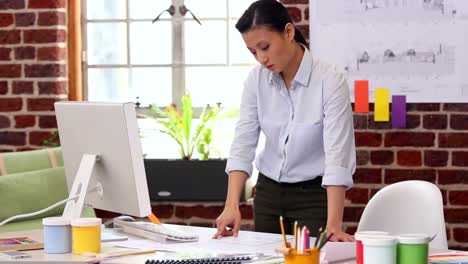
(335, 201)
(339, 235)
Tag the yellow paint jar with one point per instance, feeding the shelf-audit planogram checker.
(86, 235)
(310, 256)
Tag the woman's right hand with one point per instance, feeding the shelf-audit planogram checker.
(228, 222)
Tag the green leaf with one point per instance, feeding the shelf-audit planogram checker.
(179, 126)
(187, 113)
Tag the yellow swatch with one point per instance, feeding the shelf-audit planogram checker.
(381, 105)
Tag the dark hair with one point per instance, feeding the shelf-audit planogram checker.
(269, 13)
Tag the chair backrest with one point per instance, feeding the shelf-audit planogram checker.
(407, 207)
(31, 181)
(25, 161)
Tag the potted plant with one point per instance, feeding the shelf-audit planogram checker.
(188, 178)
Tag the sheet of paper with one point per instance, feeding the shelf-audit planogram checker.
(246, 242)
(415, 48)
(337, 252)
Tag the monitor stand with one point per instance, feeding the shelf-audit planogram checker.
(80, 185)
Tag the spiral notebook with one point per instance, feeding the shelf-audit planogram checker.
(212, 260)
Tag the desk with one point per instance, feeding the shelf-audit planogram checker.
(244, 243)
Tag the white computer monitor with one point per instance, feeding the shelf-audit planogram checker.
(101, 149)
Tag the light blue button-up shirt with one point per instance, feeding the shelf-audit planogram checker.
(308, 130)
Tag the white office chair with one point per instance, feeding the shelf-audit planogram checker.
(407, 207)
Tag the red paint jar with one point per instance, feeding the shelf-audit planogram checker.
(358, 236)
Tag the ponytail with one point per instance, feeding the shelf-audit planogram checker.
(298, 37)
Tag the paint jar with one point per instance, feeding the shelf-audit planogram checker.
(358, 236)
(57, 235)
(413, 249)
(380, 249)
(310, 256)
(86, 233)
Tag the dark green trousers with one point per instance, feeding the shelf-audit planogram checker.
(305, 202)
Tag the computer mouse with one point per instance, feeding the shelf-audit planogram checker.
(125, 218)
(110, 223)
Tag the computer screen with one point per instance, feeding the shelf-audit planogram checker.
(101, 148)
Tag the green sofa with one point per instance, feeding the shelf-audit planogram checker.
(31, 181)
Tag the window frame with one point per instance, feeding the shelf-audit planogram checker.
(75, 62)
(178, 65)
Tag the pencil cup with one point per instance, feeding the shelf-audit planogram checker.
(86, 234)
(57, 235)
(413, 249)
(359, 236)
(310, 256)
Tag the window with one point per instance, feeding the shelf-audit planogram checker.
(127, 56)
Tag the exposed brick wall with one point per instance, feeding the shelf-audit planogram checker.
(33, 72)
(433, 148)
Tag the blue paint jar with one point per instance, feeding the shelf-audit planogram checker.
(57, 235)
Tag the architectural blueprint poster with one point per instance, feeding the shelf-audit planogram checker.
(417, 48)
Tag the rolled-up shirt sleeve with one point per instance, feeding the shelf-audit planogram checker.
(244, 144)
(338, 134)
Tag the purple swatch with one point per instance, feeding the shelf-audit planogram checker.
(399, 111)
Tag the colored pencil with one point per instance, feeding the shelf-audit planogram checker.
(328, 239)
(295, 235)
(282, 231)
(318, 237)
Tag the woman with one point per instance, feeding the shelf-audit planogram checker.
(302, 106)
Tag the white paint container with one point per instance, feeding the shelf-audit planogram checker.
(359, 236)
(380, 250)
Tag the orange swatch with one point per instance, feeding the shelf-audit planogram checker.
(361, 96)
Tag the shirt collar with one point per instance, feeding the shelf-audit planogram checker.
(305, 69)
(302, 74)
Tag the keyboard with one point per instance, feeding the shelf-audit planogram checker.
(157, 232)
(215, 260)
